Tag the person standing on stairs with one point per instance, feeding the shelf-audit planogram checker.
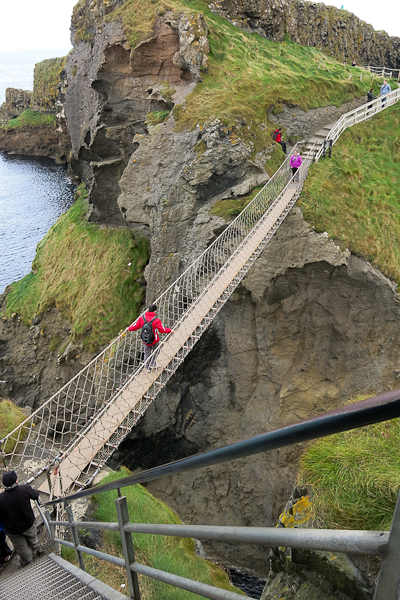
(278, 138)
(151, 327)
(295, 164)
(370, 97)
(385, 89)
(17, 517)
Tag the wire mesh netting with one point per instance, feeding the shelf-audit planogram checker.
(71, 436)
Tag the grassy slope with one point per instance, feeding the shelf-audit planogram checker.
(31, 118)
(171, 554)
(355, 476)
(92, 281)
(355, 195)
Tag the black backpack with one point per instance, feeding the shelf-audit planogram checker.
(275, 135)
(148, 332)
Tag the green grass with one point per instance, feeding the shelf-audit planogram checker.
(354, 196)
(230, 208)
(31, 118)
(171, 554)
(158, 116)
(248, 75)
(10, 417)
(92, 280)
(354, 477)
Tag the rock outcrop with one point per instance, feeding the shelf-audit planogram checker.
(336, 32)
(112, 88)
(16, 102)
(308, 574)
(309, 327)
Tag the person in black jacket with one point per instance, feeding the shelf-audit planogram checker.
(370, 97)
(17, 517)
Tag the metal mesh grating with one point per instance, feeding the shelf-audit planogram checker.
(44, 579)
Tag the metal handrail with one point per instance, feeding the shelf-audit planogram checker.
(385, 544)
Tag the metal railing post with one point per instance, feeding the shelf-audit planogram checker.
(127, 546)
(388, 585)
(75, 537)
(52, 529)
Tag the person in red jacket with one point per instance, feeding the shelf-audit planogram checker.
(152, 341)
(278, 138)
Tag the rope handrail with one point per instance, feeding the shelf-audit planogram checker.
(55, 429)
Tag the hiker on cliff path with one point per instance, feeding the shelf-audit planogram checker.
(385, 89)
(295, 164)
(151, 326)
(278, 138)
(17, 517)
(370, 97)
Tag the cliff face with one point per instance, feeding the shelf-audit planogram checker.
(336, 32)
(309, 327)
(111, 90)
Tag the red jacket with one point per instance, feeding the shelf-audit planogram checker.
(157, 326)
(278, 136)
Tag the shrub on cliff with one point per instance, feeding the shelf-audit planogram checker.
(93, 281)
(171, 554)
(354, 195)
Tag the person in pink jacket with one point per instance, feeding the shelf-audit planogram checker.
(295, 163)
(150, 335)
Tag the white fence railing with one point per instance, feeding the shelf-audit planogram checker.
(358, 115)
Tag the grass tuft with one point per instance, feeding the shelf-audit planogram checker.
(354, 195)
(93, 282)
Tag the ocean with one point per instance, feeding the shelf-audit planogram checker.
(34, 192)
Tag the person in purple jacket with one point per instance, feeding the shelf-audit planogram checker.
(295, 164)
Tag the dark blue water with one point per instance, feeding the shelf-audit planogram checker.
(34, 192)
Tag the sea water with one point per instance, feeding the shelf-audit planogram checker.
(34, 192)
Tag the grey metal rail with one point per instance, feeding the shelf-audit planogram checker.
(384, 544)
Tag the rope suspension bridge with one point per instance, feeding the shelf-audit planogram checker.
(71, 436)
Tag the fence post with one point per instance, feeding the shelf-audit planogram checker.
(330, 148)
(75, 538)
(324, 150)
(389, 575)
(127, 546)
